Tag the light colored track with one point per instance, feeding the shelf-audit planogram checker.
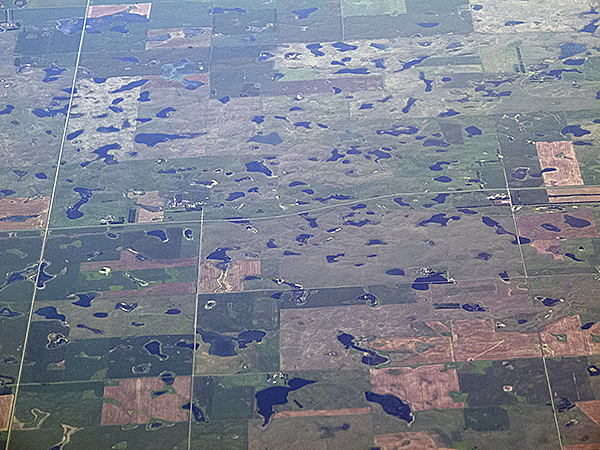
(47, 228)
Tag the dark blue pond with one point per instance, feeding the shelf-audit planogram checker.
(570, 49)
(130, 86)
(395, 272)
(334, 197)
(314, 49)
(93, 330)
(370, 358)
(334, 258)
(449, 113)
(437, 167)
(448, 305)
(473, 307)
(392, 405)
(234, 196)
(379, 155)
(271, 139)
(160, 234)
(435, 143)
(166, 112)
(277, 395)
(144, 96)
(335, 155)
(196, 411)
(85, 300)
(440, 198)
(249, 336)
(343, 47)
(50, 313)
(547, 301)
(219, 345)
(550, 227)
(401, 202)
(7, 192)
(258, 166)
(575, 130)
(590, 27)
(18, 218)
(52, 73)
(409, 104)
(422, 283)
(575, 222)
(154, 348)
(428, 83)
(438, 218)
(7, 110)
(303, 238)
(312, 221)
(85, 194)
(7, 313)
(473, 131)
(357, 71)
(573, 257)
(411, 63)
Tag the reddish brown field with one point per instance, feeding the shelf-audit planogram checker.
(142, 9)
(425, 387)
(590, 409)
(5, 405)
(208, 277)
(567, 168)
(137, 406)
(238, 271)
(548, 247)
(232, 282)
(178, 39)
(415, 440)
(323, 412)
(566, 338)
(150, 198)
(17, 206)
(582, 447)
(441, 351)
(531, 226)
(574, 194)
(128, 262)
(438, 327)
(476, 339)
